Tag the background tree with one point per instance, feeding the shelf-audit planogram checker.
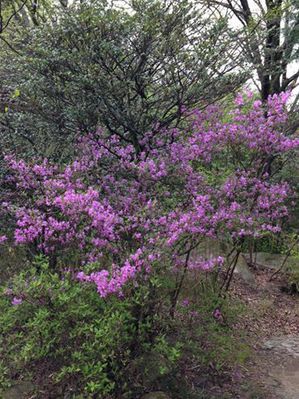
(268, 34)
(15, 14)
(126, 69)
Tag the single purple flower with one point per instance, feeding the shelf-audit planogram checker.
(16, 301)
(217, 314)
(2, 239)
(185, 302)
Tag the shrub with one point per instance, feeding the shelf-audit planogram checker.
(127, 209)
(129, 223)
(89, 344)
(62, 334)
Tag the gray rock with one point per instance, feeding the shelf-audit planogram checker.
(151, 364)
(273, 261)
(287, 344)
(210, 248)
(19, 390)
(243, 270)
(284, 375)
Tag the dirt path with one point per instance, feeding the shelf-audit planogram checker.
(272, 328)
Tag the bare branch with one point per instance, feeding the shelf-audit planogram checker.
(13, 15)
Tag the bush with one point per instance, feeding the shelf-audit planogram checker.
(88, 344)
(61, 334)
(140, 218)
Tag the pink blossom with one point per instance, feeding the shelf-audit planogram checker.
(3, 239)
(217, 314)
(185, 302)
(16, 301)
(126, 211)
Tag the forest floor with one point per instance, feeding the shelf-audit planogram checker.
(271, 325)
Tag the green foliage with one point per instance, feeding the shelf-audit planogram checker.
(109, 347)
(211, 341)
(123, 69)
(88, 342)
(269, 243)
(4, 375)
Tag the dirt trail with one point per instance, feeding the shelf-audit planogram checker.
(286, 376)
(272, 326)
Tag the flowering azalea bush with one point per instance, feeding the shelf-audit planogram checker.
(121, 226)
(125, 209)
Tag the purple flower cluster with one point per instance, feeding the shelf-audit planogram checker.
(124, 209)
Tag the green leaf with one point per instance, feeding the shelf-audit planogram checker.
(16, 93)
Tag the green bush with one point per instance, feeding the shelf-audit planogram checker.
(91, 345)
(64, 335)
